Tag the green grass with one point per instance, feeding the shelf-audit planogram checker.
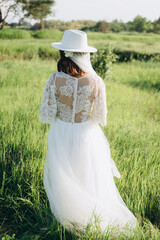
(26, 34)
(145, 43)
(27, 49)
(133, 132)
(14, 34)
(22, 44)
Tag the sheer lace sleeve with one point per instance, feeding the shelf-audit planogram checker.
(48, 107)
(99, 107)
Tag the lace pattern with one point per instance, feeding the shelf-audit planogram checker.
(48, 106)
(79, 99)
(64, 112)
(67, 90)
(100, 109)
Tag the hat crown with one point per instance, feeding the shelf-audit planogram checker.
(74, 39)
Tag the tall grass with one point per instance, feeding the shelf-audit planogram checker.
(133, 132)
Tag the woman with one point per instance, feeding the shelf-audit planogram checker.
(79, 171)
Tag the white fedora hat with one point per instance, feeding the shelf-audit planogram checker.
(74, 41)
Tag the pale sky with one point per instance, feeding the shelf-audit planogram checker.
(108, 10)
(125, 10)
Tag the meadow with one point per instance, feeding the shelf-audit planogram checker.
(133, 132)
(24, 44)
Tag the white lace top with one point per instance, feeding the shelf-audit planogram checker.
(74, 99)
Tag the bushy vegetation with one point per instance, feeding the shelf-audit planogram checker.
(102, 61)
(14, 34)
(25, 34)
(133, 133)
(47, 34)
(61, 25)
(138, 24)
(129, 55)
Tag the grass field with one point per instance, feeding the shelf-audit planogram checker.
(133, 132)
(38, 43)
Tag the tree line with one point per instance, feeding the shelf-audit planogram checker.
(39, 10)
(139, 24)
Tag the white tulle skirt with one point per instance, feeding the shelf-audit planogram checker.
(78, 177)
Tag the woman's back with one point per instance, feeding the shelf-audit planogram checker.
(73, 99)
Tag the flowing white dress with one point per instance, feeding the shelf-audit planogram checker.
(79, 170)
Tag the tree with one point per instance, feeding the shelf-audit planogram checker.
(117, 26)
(129, 26)
(156, 25)
(150, 26)
(6, 6)
(37, 9)
(102, 26)
(140, 24)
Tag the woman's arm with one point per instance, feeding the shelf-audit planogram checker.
(99, 107)
(48, 107)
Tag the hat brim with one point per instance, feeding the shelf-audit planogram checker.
(59, 46)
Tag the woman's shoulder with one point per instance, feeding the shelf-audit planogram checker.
(95, 77)
(52, 75)
(51, 79)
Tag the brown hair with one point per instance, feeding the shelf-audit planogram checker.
(66, 65)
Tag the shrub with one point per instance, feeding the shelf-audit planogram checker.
(102, 26)
(129, 55)
(102, 61)
(7, 237)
